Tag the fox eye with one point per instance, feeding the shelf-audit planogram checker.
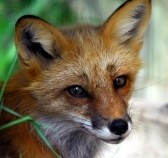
(120, 81)
(77, 91)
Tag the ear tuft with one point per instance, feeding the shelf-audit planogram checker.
(37, 40)
(36, 48)
(27, 17)
(129, 22)
(130, 28)
(139, 12)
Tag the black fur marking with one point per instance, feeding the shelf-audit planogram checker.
(139, 12)
(132, 32)
(98, 121)
(34, 47)
(6, 150)
(80, 145)
(137, 15)
(140, 9)
(28, 17)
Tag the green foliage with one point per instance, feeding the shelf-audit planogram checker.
(57, 12)
(21, 119)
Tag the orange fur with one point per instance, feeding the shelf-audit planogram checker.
(92, 57)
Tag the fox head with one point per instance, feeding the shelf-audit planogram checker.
(81, 78)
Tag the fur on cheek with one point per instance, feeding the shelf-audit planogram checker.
(64, 134)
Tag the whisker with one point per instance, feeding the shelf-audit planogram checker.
(152, 84)
(57, 123)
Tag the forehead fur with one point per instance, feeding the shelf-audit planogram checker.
(93, 59)
(93, 50)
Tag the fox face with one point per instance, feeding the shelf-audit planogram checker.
(82, 78)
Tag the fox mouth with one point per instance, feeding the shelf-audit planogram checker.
(114, 141)
(109, 140)
(113, 133)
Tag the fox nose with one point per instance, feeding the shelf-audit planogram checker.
(118, 126)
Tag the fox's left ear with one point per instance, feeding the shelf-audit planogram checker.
(38, 44)
(129, 22)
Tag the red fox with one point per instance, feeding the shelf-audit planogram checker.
(76, 82)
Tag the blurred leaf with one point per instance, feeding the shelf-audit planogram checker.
(41, 134)
(10, 111)
(15, 122)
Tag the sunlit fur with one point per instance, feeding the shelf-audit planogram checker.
(54, 59)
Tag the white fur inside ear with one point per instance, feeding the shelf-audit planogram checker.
(127, 27)
(45, 40)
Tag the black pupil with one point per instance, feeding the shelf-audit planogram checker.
(120, 81)
(77, 91)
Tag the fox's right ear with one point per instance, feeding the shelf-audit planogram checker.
(37, 42)
(128, 23)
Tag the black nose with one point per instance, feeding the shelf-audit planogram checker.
(118, 126)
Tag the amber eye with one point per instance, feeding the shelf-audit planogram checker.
(120, 81)
(77, 91)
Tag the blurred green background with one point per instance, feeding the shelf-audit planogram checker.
(57, 12)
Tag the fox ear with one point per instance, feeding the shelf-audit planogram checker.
(38, 42)
(129, 22)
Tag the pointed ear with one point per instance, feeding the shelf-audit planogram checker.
(129, 22)
(38, 42)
